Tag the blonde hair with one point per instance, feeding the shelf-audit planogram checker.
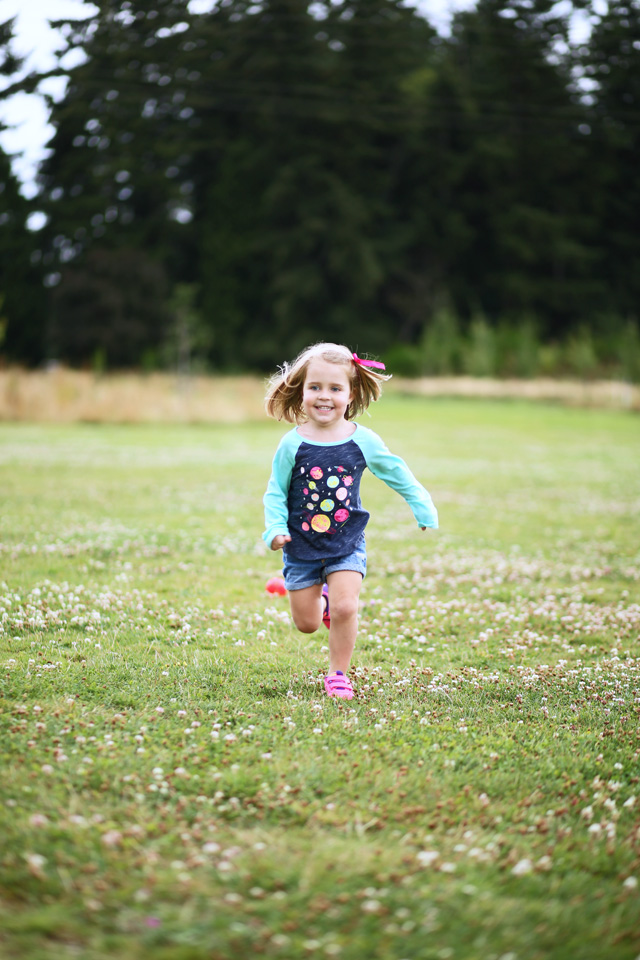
(284, 390)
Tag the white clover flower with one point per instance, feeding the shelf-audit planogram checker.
(112, 838)
(38, 820)
(211, 847)
(426, 858)
(371, 906)
(522, 867)
(36, 863)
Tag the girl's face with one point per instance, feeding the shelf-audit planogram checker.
(326, 393)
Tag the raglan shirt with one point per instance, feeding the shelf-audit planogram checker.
(313, 494)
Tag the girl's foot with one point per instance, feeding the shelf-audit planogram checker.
(326, 616)
(337, 685)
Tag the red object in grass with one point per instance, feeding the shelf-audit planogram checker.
(276, 585)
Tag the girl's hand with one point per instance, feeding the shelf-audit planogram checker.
(278, 542)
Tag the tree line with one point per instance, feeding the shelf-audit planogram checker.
(234, 184)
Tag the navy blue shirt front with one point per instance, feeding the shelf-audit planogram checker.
(325, 513)
(313, 494)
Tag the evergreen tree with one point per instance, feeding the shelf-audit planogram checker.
(260, 93)
(118, 154)
(111, 307)
(611, 61)
(22, 296)
(516, 185)
(115, 178)
(332, 171)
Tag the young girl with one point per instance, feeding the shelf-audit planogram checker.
(312, 503)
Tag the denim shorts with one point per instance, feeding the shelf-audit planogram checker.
(299, 574)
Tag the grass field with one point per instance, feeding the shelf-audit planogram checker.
(174, 784)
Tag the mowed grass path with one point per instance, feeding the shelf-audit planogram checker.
(174, 784)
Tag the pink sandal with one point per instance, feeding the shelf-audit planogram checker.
(326, 616)
(337, 685)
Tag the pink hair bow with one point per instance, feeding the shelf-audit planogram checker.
(368, 363)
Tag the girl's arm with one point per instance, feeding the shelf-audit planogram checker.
(276, 512)
(397, 475)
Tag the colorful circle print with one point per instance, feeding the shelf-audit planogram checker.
(341, 494)
(305, 526)
(316, 473)
(321, 523)
(341, 515)
(327, 506)
(333, 482)
(347, 481)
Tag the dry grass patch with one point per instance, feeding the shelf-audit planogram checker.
(70, 396)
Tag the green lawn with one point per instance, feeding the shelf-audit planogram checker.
(175, 785)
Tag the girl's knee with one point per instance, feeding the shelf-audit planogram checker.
(304, 623)
(343, 607)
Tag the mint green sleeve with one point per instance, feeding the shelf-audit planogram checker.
(276, 511)
(397, 475)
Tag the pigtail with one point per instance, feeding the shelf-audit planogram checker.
(366, 386)
(283, 400)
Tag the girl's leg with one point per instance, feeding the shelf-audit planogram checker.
(344, 590)
(307, 608)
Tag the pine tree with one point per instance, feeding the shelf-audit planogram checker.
(503, 100)
(22, 296)
(611, 62)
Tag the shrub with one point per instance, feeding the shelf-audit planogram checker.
(403, 360)
(480, 353)
(628, 352)
(580, 354)
(518, 348)
(441, 345)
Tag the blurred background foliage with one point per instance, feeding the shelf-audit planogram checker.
(223, 188)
